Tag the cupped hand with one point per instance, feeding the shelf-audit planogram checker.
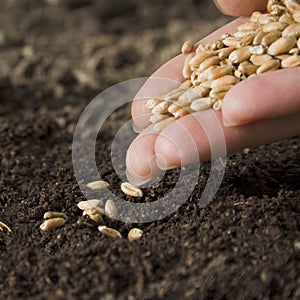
(257, 110)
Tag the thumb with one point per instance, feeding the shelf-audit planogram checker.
(240, 7)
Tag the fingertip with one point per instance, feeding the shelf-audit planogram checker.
(239, 104)
(230, 111)
(140, 113)
(141, 159)
(168, 156)
(239, 7)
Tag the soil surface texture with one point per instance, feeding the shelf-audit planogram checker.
(55, 57)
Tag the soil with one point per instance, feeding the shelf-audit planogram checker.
(56, 56)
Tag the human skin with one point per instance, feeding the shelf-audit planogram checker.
(256, 111)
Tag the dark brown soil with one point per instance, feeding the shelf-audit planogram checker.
(56, 56)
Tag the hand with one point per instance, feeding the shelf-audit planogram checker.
(258, 110)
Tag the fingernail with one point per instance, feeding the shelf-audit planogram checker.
(227, 123)
(136, 128)
(137, 181)
(161, 164)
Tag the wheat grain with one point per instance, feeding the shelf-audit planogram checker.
(111, 209)
(3, 225)
(54, 214)
(52, 224)
(110, 232)
(135, 234)
(291, 61)
(89, 204)
(131, 190)
(95, 214)
(187, 47)
(97, 185)
(267, 42)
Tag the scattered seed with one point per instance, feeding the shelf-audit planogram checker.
(131, 190)
(98, 185)
(96, 218)
(3, 225)
(95, 214)
(94, 210)
(241, 203)
(110, 232)
(54, 214)
(52, 224)
(111, 209)
(89, 204)
(135, 234)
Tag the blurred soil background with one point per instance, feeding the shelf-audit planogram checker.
(55, 57)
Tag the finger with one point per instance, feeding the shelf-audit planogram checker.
(141, 158)
(265, 96)
(172, 71)
(172, 148)
(199, 137)
(240, 7)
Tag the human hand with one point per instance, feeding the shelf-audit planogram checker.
(258, 110)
